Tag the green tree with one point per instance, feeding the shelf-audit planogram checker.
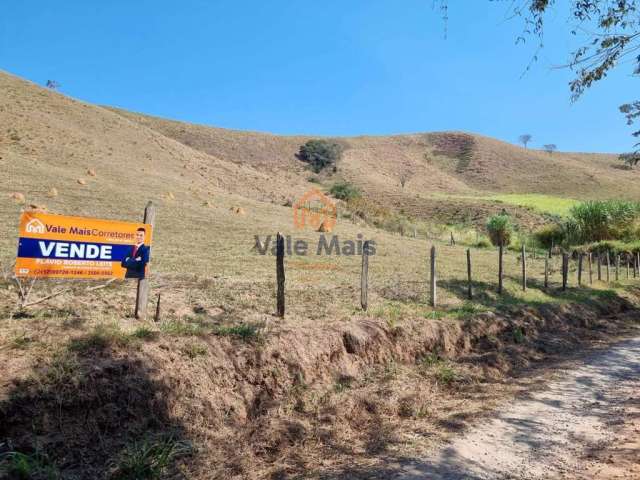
(320, 154)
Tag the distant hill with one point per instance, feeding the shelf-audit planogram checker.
(49, 140)
(443, 162)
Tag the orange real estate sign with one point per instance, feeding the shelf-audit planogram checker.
(61, 246)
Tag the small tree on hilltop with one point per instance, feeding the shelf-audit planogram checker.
(52, 85)
(550, 148)
(320, 154)
(630, 159)
(500, 229)
(525, 139)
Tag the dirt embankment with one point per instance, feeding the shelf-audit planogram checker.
(326, 402)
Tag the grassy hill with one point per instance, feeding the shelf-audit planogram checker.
(87, 390)
(444, 162)
(454, 177)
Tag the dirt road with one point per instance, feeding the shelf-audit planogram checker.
(584, 425)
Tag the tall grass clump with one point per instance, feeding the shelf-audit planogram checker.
(500, 229)
(606, 220)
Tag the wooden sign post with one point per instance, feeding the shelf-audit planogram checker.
(280, 275)
(142, 292)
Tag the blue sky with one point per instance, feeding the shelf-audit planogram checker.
(336, 67)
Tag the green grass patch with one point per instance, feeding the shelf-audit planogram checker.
(433, 365)
(194, 350)
(21, 342)
(144, 333)
(245, 331)
(466, 310)
(103, 336)
(150, 459)
(180, 328)
(22, 466)
(343, 383)
(538, 202)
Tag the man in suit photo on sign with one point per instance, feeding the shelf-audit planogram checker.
(137, 260)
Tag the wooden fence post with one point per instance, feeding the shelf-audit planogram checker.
(580, 261)
(546, 273)
(626, 257)
(470, 288)
(599, 266)
(635, 266)
(156, 318)
(364, 276)
(608, 265)
(453, 240)
(524, 268)
(142, 292)
(280, 275)
(500, 268)
(433, 276)
(617, 267)
(565, 270)
(590, 268)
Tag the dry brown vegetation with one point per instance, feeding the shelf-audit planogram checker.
(329, 390)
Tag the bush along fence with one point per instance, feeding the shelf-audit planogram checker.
(606, 270)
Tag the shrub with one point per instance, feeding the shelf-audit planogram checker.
(320, 154)
(345, 191)
(500, 229)
(482, 242)
(550, 235)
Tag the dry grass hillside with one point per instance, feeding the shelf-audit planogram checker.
(219, 387)
(446, 162)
